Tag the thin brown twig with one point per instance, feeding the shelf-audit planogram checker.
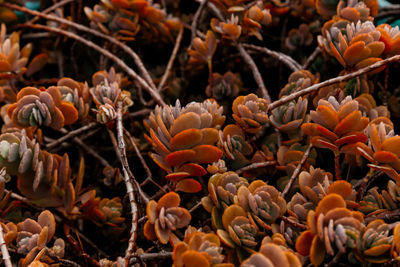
(142, 112)
(48, 10)
(311, 58)
(195, 207)
(256, 73)
(287, 60)
(171, 59)
(128, 183)
(4, 250)
(255, 165)
(296, 171)
(151, 256)
(71, 134)
(154, 93)
(196, 17)
(88, 149)
(81, 27)
(338, 79)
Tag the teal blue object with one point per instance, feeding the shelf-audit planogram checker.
(32, 5)
(384, 3)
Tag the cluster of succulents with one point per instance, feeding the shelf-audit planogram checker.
(199, 133)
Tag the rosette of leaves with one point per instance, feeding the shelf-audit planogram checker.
(382, 153)
(272, 255)
(223, 86)
(289, 157)
(13, 60)
(375, 243)
(377, 201)
(125, 19)
(314, 185)
(390, 36)
(203, 51)
(254, 18)
(356, 46)
(332, 228)
(238, 231)
(368, 107)
(298, 38)
(230, 29)
(250, 112)
(106, 92)
(336, 126)
(44, 178)
(289, 117)
(101, 210)
(33, 235)
(37, 107)
(199, 249)
(76, 93)
(165, 216)
(232, 141)
(297, 81)
(222, 190)
(263, 203)
(353, 11)
(326, 92)
(184, 138)
(328, 8)
(10, 232)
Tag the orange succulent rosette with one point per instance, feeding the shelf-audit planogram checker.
(36, 107)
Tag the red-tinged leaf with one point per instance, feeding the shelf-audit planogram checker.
(207, 154)
(188, 186)
(179, 157)
(193, 169)
(386, 169)
(321, 143)
(385, 157)
(186, 139)
(36, 64)
(177, 176)
(351, 138)
(69, 112)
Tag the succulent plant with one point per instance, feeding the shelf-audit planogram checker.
(230, 29)
(336, 125)
(203, 51)
(331, 227)
(76, 93)
(254, 18)
(33, 235)
(375, 244)
(382, 152)
(223, 86)
(35, 107)
(164, 217)
(239, 231)
(263, 202)
(184, 138)
(250, 112)
(272, 255)
(297, 81)
(299, 37)
(390, 36)
(356, 46)
(197, 249)
(377, 201)
(289, 117)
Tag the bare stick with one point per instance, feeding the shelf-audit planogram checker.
(142, 112)
(129, 186)
(48, 10)
(255, 166)
(256, 73)
(311, 58)
(338, 79)
(81, 27)
(152, 256)
(88, 149)
(296, 171)
(285, 59)
(4, 250)
(195, 207)
(71, 134)
(171, 59)
(196, 17)
(154, 93)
